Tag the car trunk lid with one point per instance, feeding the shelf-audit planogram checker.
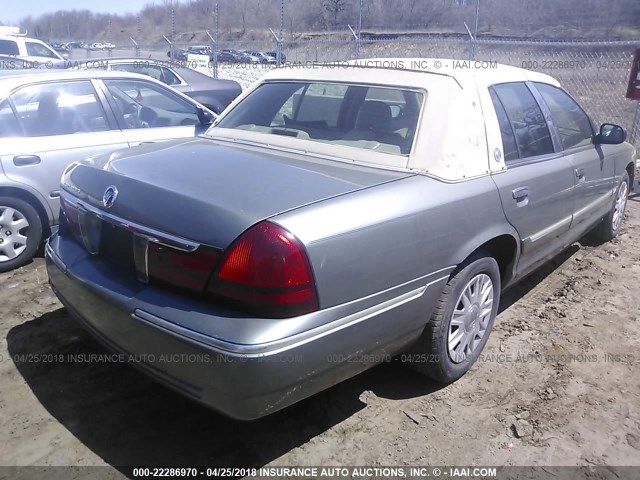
(210, 191)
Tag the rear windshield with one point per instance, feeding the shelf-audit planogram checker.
(376, 118)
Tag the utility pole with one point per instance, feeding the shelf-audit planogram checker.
(360, 18)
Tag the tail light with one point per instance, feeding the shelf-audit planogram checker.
(266, 271)
(176, 268)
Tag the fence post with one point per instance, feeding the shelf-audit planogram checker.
(214, 52)
(635, 126)
(472, 43)
(278, 47)
(135, 47)
(357, 43)
(171, 52)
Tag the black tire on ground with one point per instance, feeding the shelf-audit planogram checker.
(33, 232)
(606, 230)
(430, 355)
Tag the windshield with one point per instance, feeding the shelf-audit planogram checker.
(376, 118)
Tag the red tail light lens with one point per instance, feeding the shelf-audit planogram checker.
(185, 270)
(266, 271)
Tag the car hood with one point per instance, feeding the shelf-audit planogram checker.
(211, 191)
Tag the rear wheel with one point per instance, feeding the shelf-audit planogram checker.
(461, 322)
(611, 224)
(20, 233)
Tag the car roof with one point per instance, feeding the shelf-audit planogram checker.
(9, 79)
(188, 74)
(482, 72)
(402, 71)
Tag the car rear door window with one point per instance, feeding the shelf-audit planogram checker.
(9, 47)
(574, 126)
(526, 119)
(38, 50)
(508, 138)
(59, 108)
(169, 77)
(144, 104)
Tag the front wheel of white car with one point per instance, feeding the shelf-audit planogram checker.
(461, 321)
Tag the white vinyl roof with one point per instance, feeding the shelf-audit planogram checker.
(457, 127)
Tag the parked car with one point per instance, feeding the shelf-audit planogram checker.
(77, 45)
(246, 57)
(51, 118)
(262, 57)
(97, 46)
(331, 219)
(213, 93)
(228, 57)
(27, 48)
(183, 54)
(283, 57)
(60, 47)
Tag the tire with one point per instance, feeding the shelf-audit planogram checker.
(610, 225)
(431, 355)
(21, 229)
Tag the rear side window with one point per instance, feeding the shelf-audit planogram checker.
(38, 50)
(169, 77)
(508, 138)
(527, 121)
(59, 109)
(572, 123)
(9, 47)
(145, 105)
(9, 126)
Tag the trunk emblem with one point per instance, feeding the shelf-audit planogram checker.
(109, 197)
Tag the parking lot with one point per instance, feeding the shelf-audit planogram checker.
(556, 385)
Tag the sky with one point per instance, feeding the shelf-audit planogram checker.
(11, 11)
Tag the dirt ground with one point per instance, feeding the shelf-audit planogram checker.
(557, 385)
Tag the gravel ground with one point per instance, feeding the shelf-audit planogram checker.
(557, 385)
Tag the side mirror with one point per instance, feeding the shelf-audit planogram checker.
(611, 134)
(205, 117)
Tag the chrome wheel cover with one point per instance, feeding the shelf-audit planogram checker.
(470, 319)
(14, 231)
(619, 206)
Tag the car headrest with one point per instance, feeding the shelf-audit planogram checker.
(374, 116)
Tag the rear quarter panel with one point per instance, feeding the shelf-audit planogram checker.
(395, 235)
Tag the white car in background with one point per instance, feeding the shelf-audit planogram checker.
(26, 48)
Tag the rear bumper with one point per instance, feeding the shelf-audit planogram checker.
(243, 381)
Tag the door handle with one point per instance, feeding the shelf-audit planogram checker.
(520, 193)
(521, 196)
(24, 160)
(580, 174)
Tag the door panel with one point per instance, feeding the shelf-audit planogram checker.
(542, 213)
(593, 174)
(50, 126)
(594, 187)
(537, 188)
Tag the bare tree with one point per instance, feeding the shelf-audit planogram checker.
(334, 8)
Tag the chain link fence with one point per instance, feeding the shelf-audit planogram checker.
(595, 73)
